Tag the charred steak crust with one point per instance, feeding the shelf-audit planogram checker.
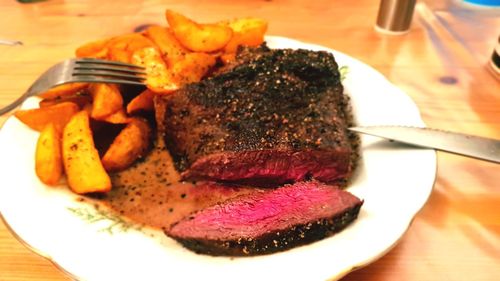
(281, 100)
(220, 237)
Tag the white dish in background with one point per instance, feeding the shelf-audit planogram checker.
(395, 182)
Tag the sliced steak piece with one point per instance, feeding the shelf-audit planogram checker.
(275, 117)
(268, 221)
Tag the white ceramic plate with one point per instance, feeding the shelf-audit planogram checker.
(395, 182)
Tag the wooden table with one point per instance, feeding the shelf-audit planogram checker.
(440, 63)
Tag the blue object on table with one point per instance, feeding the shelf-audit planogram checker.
(492, 3)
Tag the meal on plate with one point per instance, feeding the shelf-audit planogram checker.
(231, 148)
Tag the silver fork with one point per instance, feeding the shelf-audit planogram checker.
(82, 70)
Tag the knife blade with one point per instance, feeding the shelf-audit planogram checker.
(467, 145)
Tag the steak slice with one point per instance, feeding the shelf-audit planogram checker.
(274, 117)
(268, 221)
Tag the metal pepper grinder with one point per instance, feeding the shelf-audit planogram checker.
(394, 16)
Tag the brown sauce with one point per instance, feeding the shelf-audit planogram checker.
(151, 193)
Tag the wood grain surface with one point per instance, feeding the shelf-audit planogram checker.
(440, 64)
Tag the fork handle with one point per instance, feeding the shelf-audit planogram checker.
(14, 104)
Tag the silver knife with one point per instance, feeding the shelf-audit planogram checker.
(457, 143)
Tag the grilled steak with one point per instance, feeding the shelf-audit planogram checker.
(274, 117)
(268, 221)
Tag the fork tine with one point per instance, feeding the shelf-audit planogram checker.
(105, 73)
(91, 66)
(105, 62)
(82, 70)
(94, 79)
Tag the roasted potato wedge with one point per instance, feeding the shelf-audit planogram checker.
(228, 58)
(95, 49)
(38, 118)
(122, 47)
(192, 67)
(246, 32)
(48, 158)
(169, 46)
(142, 102)
(106, 100)
(63, 90)
(132, 142)
(198, 37)
(118, 117)
(80, 99)
(158, 78)
(82, 165)
(119, 55)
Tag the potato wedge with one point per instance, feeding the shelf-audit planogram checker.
(247, 32)
(122, 47)
(139, 41)
(142, 102)
(95, 49)
(228, 58)
(198, 37)
(192, 67)
(84, 170)
(158, 78)
(119, 55)
(118, 117)
(132, 142)
(48, 158)
(80, 99)
(104, 134)
(38, 118)
(169, 46)
(249, 25)
(63, 90)
(106, 100)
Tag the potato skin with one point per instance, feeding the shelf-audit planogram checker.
(106, 100)
(63, 90)
(132, 143)
(168, 45)
(198, 37)
(142, 102)
(246, 32)
(95, 49)
(48, 158)
(158, 77)
(38, 118)
(84, 170)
